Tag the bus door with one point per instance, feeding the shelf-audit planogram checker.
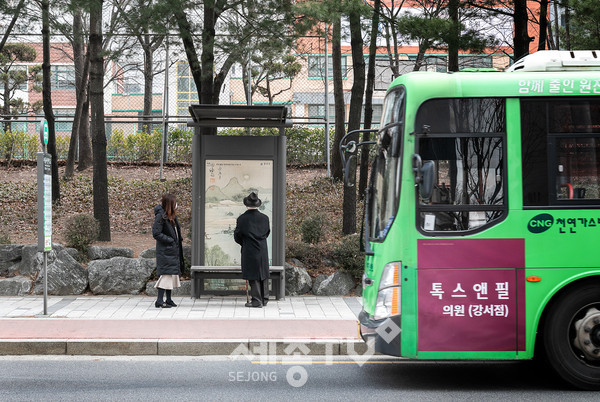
(469, 284)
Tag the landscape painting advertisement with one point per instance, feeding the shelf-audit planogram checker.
(227, 183)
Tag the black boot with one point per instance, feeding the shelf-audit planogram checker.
(159, 300)
(170, 302)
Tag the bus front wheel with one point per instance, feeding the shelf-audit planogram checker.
(572, 337)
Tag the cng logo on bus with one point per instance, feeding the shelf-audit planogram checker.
(540, 223)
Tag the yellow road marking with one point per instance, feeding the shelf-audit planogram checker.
(309, 362)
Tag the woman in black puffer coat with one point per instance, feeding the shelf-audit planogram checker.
(169, 249)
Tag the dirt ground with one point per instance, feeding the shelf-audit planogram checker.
(136, 237)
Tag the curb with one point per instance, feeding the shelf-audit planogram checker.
(178, 347)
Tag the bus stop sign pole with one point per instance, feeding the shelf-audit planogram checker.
(44, 197)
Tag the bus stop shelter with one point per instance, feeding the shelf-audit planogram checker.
(225, 169)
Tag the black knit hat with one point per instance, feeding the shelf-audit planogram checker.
(252, 200)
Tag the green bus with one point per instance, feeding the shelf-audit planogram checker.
(482, 216)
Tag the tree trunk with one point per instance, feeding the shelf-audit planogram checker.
(85, 142)
(100, 179)
(6, 105)
(364, 152)
(81, 86)
(83, 133)
(207, 94)
(356, 104)
(185, 33)
(566, 5)
(454, 36)
(420, 60)
(47, 99)
(338, 97)
(521, 36)
(148, 78)
(543, 25)
(556, 25)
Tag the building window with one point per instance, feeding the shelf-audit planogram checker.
(318, 112)
(377, 111)
(430, 63)
(186, 89)
(316, 65)
(475, 62)
(155, 124)
(63, 77)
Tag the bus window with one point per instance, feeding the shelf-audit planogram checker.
(560, 144)
(385, 179)
(465, 140)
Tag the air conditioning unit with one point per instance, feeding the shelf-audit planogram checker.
(558, 60)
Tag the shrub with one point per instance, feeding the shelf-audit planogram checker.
(80, 231)
(180, 145)
(347, 253)
(312, 229)
(31, 146)
(305, 145)
(311, 255)
(62, 146)
(115, 145)
(10, 144)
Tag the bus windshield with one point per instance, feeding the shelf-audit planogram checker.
(385, 179)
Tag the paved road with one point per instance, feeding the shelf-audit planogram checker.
(223, 378)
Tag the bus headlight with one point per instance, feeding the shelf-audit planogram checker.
(389, 277)
(388, 297)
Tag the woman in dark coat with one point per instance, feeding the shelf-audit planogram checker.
(251, 232)
(169, 249)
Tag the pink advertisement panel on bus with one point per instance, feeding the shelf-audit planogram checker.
(471, 295)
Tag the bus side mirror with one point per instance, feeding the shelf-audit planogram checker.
(423, 176)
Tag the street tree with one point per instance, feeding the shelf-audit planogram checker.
(13, 14)
(138, 20)
(269, 18)
(47, 99)
(100, 176)
(15, 78)
(519, 12)
(268, 72)
(269, 63)
(364, 153)
(354, 9)
(312, 17)
(584, 24)
(442, 24)
(389, 13)
(71, 19)
(332, 12)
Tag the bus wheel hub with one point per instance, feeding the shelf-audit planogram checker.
(587, 334)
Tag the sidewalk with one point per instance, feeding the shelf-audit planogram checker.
(131, 325)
